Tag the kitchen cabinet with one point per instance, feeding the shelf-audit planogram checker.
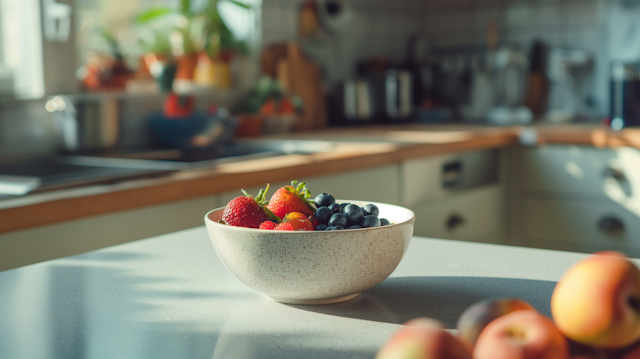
(575, 198)
(456, 196)
(68, 238)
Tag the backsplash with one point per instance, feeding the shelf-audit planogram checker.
(380, 27)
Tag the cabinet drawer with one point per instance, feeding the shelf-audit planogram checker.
(467, 216)
(425, 179)
(604, 173)
(582, 221)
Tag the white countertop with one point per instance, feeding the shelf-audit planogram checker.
(170, 297)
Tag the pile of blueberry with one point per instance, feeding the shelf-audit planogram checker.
(333, 216)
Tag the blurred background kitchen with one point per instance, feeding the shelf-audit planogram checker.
(97, 93)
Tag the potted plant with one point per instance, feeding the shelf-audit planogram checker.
(195, 31)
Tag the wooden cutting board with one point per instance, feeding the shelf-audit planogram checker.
(302, 77)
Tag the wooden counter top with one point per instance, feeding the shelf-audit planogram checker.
(355, 148)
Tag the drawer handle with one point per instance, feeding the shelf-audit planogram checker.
(611, 225)
(615, 173)
(454, 221)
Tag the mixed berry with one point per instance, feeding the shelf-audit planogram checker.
(291, 209)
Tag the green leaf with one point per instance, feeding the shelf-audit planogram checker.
(185, 7)
(152, 14)
(301, 187)
(237, 3)
(245, 193)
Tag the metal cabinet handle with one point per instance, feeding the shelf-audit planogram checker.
(615, 173)
(611, 225)
(454, 221)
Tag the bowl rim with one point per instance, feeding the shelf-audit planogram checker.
(216, 224)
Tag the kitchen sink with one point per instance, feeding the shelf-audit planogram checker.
(99, 168)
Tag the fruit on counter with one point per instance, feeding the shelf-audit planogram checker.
(268, 225)
(423, 338)
(338, 219)
(298, 221)
(246, 211)
(370, 221)
(324, 200)
(523, 334)
(336, 208)
(371, 209)
(323, 214)
(284, 227)
(597, 301)
(475, 318)
(294, 198)
(633, 353)
(353, 213)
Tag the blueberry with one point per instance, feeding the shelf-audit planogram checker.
(354, 214)
(321, 227)
(337, 228)
(323, 214)
(355, 227)
(324, 200)
(335, 208)
(330, 228)
(344, 204)
(371, 209)
(384, 222)
(370, 221)
(338, 219)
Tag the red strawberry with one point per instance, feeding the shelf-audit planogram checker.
(314, 221)
(246, 211)
(299, 221)
(294, 198)
(284, 227)
(268, 225)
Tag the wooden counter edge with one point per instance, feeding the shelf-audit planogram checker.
(46, 213)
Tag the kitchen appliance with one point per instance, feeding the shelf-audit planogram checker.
(85, 123)
(510, 70)
(624, 94)
(398, 95)
(564, 72)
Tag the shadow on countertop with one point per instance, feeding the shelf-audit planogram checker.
(399, 299)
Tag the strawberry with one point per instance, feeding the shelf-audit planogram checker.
(268, 225)
(294, 198)
(299, 221)
(284, 227)
(246, 211)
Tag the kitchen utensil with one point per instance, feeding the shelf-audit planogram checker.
(537, 83)
(564, 67)
(510, 71)
(85, 122)
(398, 95)
(313, 267)
(624, 94)
(302, 77)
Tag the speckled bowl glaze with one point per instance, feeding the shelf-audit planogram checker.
(320, 267)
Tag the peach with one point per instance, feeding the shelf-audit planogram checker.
(475, 318)
(523, 334)
(423, 338)
(634, 353)
(597, 301)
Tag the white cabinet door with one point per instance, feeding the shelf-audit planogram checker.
(607, 224)
(474, 215)
(605, 174)
(432, 178)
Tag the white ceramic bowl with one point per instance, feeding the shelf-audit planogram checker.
(319, 267)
